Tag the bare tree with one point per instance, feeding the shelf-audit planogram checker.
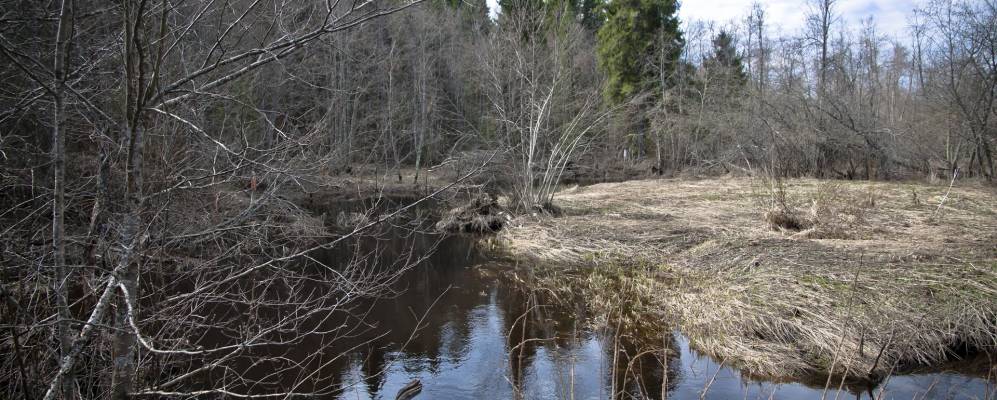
(173, 70)
(547, 120)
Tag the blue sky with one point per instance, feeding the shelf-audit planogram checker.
(787, 16)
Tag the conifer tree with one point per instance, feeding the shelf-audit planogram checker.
(633, 38)
(725, 67)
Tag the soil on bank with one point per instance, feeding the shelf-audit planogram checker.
(881, 277)
(364, 182)
(347, 199)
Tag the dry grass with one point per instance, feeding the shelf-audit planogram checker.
(874, 278)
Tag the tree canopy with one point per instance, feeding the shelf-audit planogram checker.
(638, 44)
(724, 66)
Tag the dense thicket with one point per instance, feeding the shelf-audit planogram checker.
(146, 147)
(839, 101)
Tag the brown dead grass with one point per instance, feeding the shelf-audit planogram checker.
(877, 278)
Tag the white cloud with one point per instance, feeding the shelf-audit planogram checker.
(493, 8)
(788, 16)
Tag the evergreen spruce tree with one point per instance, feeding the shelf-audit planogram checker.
(636, 35)
(725, 66)
(591, 13)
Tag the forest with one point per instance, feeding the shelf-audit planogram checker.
(173, 175)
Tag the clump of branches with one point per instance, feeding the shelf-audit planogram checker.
(546, 109)
(147, 228)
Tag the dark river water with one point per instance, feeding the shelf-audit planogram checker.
(469, 325)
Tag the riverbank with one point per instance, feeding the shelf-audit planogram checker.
(365, 182)
(881, 277)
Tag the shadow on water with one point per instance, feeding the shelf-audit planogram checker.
(469, 326)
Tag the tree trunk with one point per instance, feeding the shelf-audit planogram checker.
(123, 341)
(62, 273)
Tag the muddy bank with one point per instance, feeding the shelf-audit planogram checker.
(362, 185)
(448, 209)
(363, 195)
(885, 277)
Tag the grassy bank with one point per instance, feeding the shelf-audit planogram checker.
(878, 278)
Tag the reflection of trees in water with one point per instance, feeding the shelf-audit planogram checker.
(395, 322)
(638, 371)
(325, 345)
(373, 365)
(541, 325)
(556, 311)
(553, 333)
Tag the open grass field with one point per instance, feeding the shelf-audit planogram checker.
(873, 278)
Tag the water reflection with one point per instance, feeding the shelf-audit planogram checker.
(468, 327)
(963, 380)
(488, 338)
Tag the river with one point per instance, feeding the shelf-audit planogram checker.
(469, 324)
